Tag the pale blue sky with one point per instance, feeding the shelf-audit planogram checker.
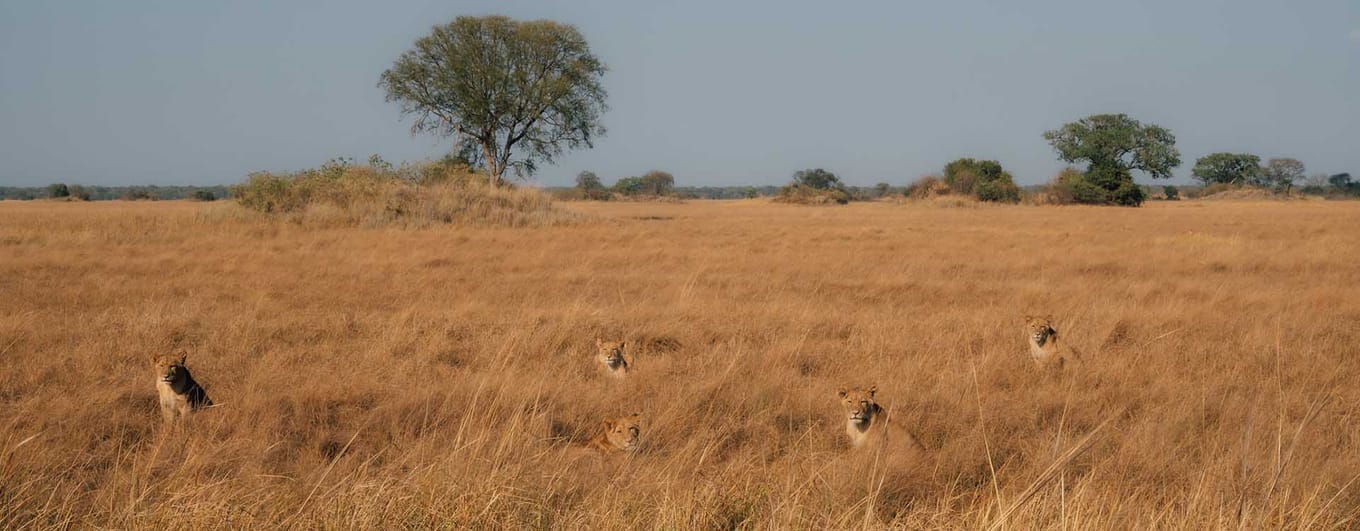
(717, 92)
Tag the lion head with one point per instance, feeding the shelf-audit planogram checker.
(611, 355)
(623, 433)
(859, 405)
(1040, 329)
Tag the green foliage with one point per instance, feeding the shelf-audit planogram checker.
(882, 190)
(1171, 193)
(1000, 190)
(1113, 146)
(514, 93)
(984, 179)
(204, 195)
(655, 183)
(1281, 173)
(588, 186)
(1227, 168)
(1340, 180)
(658, 183)
(139, 194)
(57, 190)
(817, 179)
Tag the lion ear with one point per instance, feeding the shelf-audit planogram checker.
(637, 414)
(872, 389)
(623, 344)
(841, 392)
(183, 356)
(608, 424)
(598, 342)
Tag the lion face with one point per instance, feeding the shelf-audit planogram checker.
(611, 354)
(623, 432)
(1039, 329)
(170, 368)
(859, 404)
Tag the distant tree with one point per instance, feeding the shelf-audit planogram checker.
(882, 189)
(138, 194)
(56, 190)
(589, 186)
(984, 179)
(750, 193)
(657, 182)
(204, 195)
(628, 185)
(818, 179)
(512, 92)
(79, 192)
(1227, 168)
(1341, 181)
(1113, 146)
(1171, 192)
(1282, 173)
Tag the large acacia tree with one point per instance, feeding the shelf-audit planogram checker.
(513, 93)
(1115, 145)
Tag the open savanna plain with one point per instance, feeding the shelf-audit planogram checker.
(442, 377)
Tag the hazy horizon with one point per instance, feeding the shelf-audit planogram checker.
(717, 94)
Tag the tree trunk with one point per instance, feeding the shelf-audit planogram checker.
(493, 170)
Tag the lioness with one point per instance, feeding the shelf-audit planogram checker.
(1043, 344)
(614, 357)
(870, 426)
(620, 435)
(179, 393)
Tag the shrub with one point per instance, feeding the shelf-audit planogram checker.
(1001, 190)
(80, 193)
(138, 194)
(818, 179)
(340, 193)
(926, 187)
(807, 195)
(814, 187)
(588, 186)
(985, 180)
(1094, 187)
(204, 195)
(57, 190)
(1172, 194)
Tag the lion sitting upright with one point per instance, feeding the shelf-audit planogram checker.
(179, 394)
(614, 357)
(869, 425)
(1043, 344)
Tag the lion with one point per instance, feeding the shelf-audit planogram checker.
(179, 394)
(869, 425)
(620, 434)
(614, 357)
(1043, 344)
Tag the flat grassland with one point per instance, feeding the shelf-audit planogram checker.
(439, 377)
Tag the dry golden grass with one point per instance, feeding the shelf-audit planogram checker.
(437, 377)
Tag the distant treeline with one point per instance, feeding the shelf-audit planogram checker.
(105, 193)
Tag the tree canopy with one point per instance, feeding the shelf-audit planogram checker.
(1282, 173)
(513, 93)
(984, 179)
(1227, 168)
(817, 178)
(1113, 146)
